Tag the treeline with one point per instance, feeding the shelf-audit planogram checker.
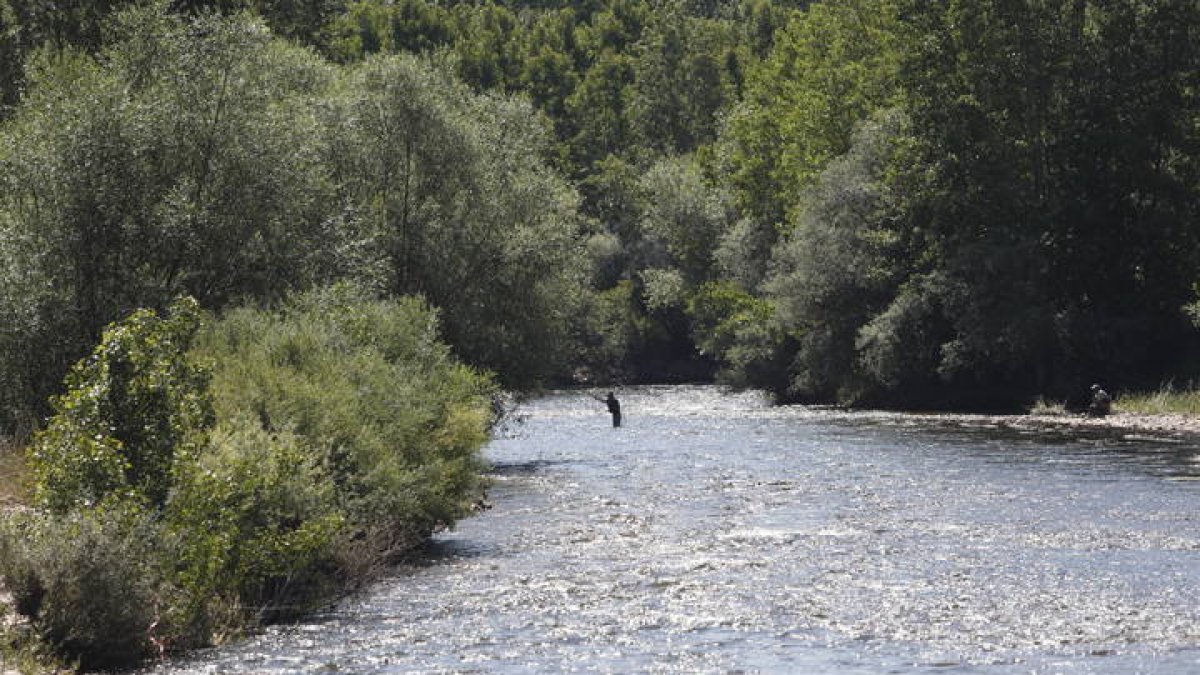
(981, 201)
(881, 202)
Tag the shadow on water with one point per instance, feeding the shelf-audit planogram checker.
(441, 550)
(1165, 455)
(524, 468)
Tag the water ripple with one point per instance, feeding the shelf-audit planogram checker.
(714, 533)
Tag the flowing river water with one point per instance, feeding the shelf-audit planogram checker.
(715, 533)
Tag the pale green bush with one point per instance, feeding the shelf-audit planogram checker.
(87, 580)
(254, 525)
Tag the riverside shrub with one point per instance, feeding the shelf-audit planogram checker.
(88, 580)
(88, 567)
(129, 410)
(374, 394)
(254, 523)
(199, 480)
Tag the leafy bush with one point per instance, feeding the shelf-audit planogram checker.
(130, 408)
(374, 395)
(180, 507)
(87, 580)
(740, 329)
(253, 525)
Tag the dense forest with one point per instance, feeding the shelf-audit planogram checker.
(872, 202)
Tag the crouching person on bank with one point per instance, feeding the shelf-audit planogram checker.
(1101, 404)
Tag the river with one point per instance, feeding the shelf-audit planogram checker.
(715, 533)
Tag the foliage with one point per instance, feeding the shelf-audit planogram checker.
(838, 270)
(685, 215)
(741, 331)
(925, 203)
(456, 195)
(254, 524)
(373, 397)
(335, 433)
(884, 202)
(997, 247)
(686, 72)
(1048, 408)
(202, 156)
(1053, 197)
(609, 334)
(87, 580)
(184, 162)
(831, 66)
(368, 28)
(131, 411)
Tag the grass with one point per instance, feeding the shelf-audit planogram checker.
(1046, 407)
(1167, 400)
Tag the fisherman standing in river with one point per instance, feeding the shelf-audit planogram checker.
(614, 407)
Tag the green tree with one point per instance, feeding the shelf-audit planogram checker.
(680, 86)
(596, 110)
(549, 76)
(834, 64)
(187, 161)
(455, 192)
(839, 267)
(488, 47)
(182, 503)
(12, 57)
(686, 216)
(613, 27)
(1063, 142)
(740, 331)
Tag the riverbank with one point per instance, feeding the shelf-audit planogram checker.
(1173, 424)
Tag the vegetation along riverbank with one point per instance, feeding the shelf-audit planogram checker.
(879, 204)
(202, 476)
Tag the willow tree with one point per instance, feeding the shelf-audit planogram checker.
(453, 192)
(182, 161)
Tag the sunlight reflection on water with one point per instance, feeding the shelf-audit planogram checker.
(714, 532)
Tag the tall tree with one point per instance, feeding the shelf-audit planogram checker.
(828, 70)
(455, 191)
(1063, 143)
(182, 163)
(596, 110)
(681, 84)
